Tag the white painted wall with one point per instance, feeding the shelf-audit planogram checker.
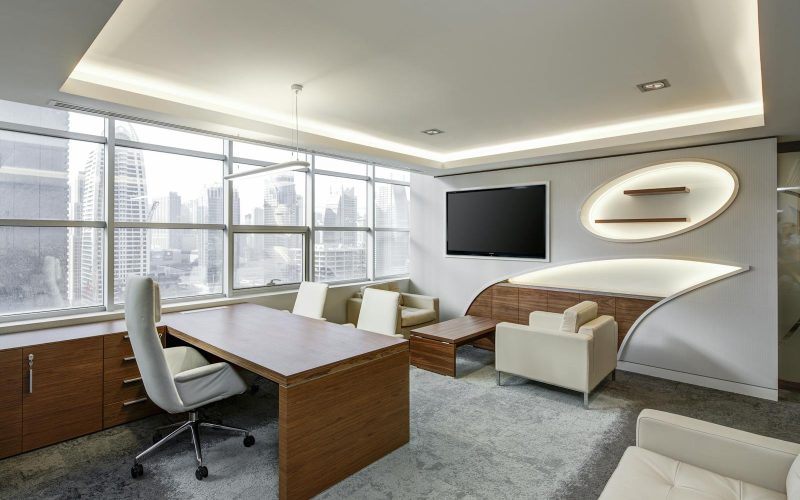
(723, 335)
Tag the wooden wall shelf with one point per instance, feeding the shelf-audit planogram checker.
(656, 219)
(657, 191)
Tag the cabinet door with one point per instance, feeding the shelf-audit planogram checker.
(10, 402)
(63, 397)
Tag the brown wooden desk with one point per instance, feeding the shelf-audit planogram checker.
(343, 393)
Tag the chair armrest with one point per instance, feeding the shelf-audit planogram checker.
(353, 309)
(545, 320)
(759, 460)
(421, 302)
(200, 371)
(603, 330)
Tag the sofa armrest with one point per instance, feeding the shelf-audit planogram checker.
(421, 302)
(603, 330)
(755, 459)
(353, 310)
(545, 320)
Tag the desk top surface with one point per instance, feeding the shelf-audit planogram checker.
(283, 347)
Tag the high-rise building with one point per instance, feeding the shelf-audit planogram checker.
(35, 178)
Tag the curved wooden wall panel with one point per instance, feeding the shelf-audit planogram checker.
(514, 304)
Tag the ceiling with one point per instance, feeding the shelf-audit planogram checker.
(511, 83)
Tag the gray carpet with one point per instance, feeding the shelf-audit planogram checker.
(469, 439)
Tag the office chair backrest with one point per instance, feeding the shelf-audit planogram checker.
(140, 314)
(380, 311)
(310, 299)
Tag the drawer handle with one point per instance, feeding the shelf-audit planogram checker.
(129, 358)
(30, 373)
(134, 401)
(132, 380)
(128, 337)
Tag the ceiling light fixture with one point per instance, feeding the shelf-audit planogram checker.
(433, 131)
(292, 164)
(654, 85)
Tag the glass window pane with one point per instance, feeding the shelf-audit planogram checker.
(391, 253)
(267, 259)
(392, 205)
(264, 153)
(338, 165)
(162, 136)
(49, 268)
(392, 174)
(48, 178)
(185, 262)
(340, 255)
(39, 116)
(275, 199)
(340, 202)
(160, 187)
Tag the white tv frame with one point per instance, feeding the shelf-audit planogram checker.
(546, 258)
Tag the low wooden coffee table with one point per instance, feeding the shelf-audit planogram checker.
(433, 348)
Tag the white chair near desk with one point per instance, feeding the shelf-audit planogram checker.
(177, 379)
(310, 300)
(380, 312)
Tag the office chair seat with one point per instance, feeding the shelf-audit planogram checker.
(177, 379)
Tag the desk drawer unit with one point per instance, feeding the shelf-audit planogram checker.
(124, 397)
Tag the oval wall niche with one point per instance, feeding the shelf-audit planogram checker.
(659, 201)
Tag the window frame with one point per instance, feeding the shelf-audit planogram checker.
(309, 229)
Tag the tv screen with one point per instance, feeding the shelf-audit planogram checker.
(498, 222)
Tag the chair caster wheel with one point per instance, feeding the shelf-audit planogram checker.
(137, 471)
(156, 437)
(249, 441)
(201, 472)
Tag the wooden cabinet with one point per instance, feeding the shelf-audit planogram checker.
(62, 394)
(530, 300)
(558, 302)
(124, 397)
(505, 303)
(10, 402)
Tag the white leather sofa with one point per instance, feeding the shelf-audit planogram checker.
(575, 350)
(678, 457)
(416, 311)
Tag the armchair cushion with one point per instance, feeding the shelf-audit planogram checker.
(411, 316)
(793, 479)
(577, 315)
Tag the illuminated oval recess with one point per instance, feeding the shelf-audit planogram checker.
(710, 188)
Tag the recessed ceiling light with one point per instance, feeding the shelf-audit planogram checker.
(433, 131)
(654, 85)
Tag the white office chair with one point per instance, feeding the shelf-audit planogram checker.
(177, 379)
(310, 300)
(380, 312)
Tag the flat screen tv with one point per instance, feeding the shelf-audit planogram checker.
(498, 222)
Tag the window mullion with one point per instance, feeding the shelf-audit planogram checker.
(108, 261)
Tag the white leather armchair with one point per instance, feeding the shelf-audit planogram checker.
(416, 310)
(681, 457)
(575, 350)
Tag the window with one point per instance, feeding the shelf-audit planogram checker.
(392, 241)
(170, 215)
(51, 213)
(340, 220)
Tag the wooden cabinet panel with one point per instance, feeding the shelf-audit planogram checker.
(627, 312)
(605, 303)
(120, 413)
(557, 302)
(120, 368)
(10, 402)
(119, 345)
(530, 300)
(505, 303)
(482, 305)
(66, 400)
(115, 391)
